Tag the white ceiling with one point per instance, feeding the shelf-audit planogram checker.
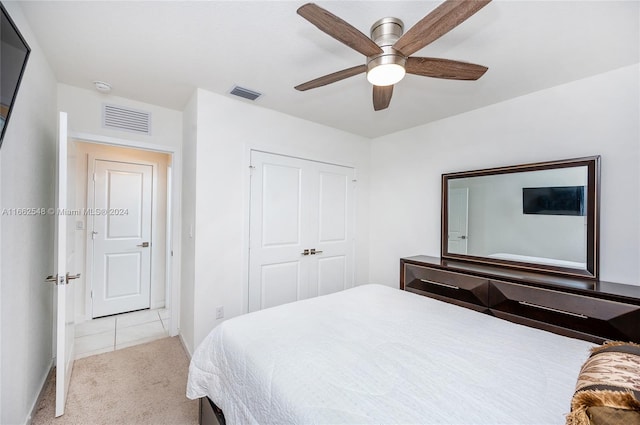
(159, 52)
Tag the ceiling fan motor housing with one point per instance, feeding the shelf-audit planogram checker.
(385, 32)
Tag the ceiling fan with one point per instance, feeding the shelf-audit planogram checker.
(388, 51)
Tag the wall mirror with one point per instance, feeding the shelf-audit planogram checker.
(538, 217)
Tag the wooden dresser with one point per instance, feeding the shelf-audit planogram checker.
(591, 310)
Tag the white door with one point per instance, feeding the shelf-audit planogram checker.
(121, 232)
(331, 269)
(458, 220)
(63, 253)
(301, 229)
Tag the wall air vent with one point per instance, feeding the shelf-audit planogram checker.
(245, 93)
(127, 119)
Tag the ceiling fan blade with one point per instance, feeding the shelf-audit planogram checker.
(440, 21)
(382, 97)
(332, 78)
(339, 29)
(444, 68)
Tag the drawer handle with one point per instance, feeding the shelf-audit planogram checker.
(446, 285)
(555, 310)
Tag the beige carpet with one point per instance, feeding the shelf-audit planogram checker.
(144, 384)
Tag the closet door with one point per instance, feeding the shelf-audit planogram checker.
(331, 268)
(301, 229)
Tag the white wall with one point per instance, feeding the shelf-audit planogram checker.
(226, 130)
(84, 107)
(187, 287)
(27, 176)
(597, 115)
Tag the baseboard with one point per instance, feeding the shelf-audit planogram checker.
(43, 386)
(157, 304)
(184, 345)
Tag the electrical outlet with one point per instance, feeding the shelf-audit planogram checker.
(219, 312)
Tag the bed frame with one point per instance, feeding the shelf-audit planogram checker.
(209, 413)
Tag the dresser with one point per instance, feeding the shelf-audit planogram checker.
(595, 311)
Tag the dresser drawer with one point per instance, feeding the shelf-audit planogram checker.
(456, 288)
(580, 314)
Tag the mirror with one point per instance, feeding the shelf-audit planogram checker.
(537, 217)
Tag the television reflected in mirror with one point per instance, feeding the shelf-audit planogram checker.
(563, 200)
(540, 217)
(14, 52)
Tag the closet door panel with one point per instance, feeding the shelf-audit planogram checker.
(301, 229)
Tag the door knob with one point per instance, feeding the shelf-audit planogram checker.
(305, 252)
(72, 276)
(144, 245)
(314, 252)
(54, 279)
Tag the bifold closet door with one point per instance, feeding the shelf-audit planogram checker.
(301, 229)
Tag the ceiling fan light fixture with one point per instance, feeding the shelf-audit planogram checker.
(386, 74)
(387, 68)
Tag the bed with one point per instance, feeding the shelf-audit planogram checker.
(374, 354)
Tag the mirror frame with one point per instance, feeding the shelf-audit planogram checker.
(593, 217)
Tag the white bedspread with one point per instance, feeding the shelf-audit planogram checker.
(373, 354)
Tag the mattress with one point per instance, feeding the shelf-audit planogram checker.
(374, 354)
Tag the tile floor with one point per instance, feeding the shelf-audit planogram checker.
(123, 330)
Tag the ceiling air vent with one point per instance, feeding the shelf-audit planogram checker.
(127, 119)
(245, 93)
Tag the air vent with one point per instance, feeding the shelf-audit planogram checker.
(245, 93)
(120, 118)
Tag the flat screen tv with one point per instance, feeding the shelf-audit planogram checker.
(560, 200)
(14, 52)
